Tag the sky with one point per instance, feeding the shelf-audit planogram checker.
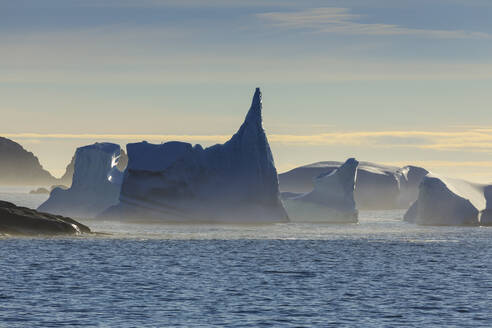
(396, 82)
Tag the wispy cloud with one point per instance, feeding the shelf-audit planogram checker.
(181, 3)
(234, 69)
(114, 54)
(374, 142)
(342, 21)
(133, 137)
(470, 140)
(477, 171)
(473, 140)
(443, 164)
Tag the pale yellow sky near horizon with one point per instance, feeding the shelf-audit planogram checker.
(55, 150)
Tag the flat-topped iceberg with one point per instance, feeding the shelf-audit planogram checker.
(331, 200)
(235, 182)
(66, 179)
(377, 187)
(446, 201)
(95, 186)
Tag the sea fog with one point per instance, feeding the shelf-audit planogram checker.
(387, 225)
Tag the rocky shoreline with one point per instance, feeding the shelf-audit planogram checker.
(15, 220)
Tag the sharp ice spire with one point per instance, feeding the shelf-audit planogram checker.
(254, 113)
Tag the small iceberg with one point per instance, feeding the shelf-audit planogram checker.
(378, 187)
(446, 201)
(331, 200)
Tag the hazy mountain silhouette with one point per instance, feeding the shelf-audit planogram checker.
(20, 167)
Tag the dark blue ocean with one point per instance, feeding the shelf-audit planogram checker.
(379, 273)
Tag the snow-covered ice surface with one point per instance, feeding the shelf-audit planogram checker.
(377, 186)
(95, 186)
(177, 182)
(331, 200)
(447, 201)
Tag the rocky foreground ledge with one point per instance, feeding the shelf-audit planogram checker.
(16, 220)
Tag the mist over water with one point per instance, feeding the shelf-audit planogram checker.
(20, 196)
(380, 272)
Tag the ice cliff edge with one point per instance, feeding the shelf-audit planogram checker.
(95, 186)
(331, 200)
(446, 201)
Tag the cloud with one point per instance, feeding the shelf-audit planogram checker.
(31, 141)
(371, 142)
(477, 171)
(442, 164)
(473, 140)
(145, 4)
(180, 3)
(342, 21)
(151, 137)
(470, 140)
(129, 54)
(43, 66)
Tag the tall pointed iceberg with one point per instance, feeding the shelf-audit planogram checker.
(177, 182)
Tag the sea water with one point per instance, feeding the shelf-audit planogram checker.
(381, 272)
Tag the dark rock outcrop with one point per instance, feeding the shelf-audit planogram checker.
(16, 220)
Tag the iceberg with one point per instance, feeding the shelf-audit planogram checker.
(377, 187)
(409, 178)
(95, 185)
(66, 179)
(446, 201)
(234, 182)
(486, 214)
(331, 200)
